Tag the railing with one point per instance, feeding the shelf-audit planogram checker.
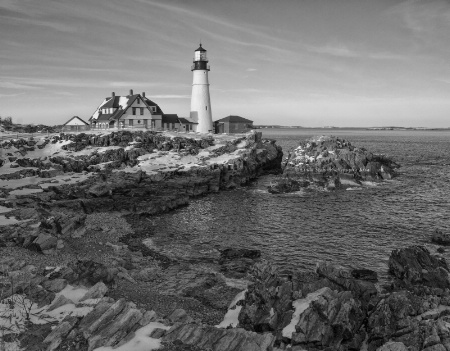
(194, 68)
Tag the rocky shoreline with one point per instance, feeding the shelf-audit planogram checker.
(78, 199)
(80, 271)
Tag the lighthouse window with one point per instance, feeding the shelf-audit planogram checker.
(206, 107)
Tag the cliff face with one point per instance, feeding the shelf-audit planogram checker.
(331, 163)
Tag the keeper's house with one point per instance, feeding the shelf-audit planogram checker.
(233, 124)
(75, 124)
(136, 111)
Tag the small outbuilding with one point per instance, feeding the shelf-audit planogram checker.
(75, 124)
(233, 124)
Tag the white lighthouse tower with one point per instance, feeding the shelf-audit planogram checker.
(200, 100)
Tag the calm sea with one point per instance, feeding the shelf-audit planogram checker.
(358, 227)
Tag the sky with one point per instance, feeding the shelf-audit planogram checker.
(358, 63)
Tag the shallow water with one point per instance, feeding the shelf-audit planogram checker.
(358, 228)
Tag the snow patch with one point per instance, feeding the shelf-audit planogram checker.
(300, 306)
(25, 191)
(231, 317)
(141, 340)
(8, 221)
(73, 293)
(4, 209)
(123, 102)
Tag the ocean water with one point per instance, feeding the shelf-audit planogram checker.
(359, 227)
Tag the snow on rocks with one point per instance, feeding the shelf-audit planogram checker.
(300, 306)
(141, 340)
(231, 317)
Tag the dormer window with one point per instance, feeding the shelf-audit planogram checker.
(153, 108)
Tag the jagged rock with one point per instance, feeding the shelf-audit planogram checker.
(215, 339)
(394, 317)
(89, 323)
(345, 277)
(331, 319)
(97, 291)
(45, 243)
(100, 316)
(415, 265)
(333, 163)
(91, 272)
(179, 316)
(101, 189)
(110, 334)
(61, 331)
(55, 285)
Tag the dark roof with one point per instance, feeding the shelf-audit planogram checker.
(185, 121)
(113, 102)
(200, 48)
(235, 119)
(74, 118)
(169, 118)
(151, 103)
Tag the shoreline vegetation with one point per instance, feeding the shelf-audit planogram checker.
(80, 269)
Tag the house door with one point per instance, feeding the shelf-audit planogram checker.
(220, 128)
(111, 124)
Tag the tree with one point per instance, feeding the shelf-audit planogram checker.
(7, 121)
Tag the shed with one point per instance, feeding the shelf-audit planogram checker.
(233, 124)
(75, 124)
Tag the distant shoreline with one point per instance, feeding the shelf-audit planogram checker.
(357, 128)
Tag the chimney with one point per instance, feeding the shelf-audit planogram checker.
(131, 91)
(113, 94)
(143, 94)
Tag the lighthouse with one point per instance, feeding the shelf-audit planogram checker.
(200, 100)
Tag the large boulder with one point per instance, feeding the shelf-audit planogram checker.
(331, 163)
(326, 319)
(359, 281)
(415, 265)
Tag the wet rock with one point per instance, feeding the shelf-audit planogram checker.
(236, 263)
(286, 185)
(232, 253)
(440, 238)
(415, 265)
